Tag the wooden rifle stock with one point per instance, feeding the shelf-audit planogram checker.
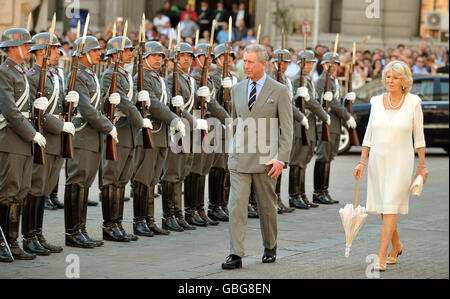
(354, 140)
(226, 91)
(39, 152)
(301, 104)
(146, 132)
(111, 146)
(175, 75)
(325, 128)
(203, 81)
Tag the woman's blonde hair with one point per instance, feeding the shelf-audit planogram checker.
(402, 70)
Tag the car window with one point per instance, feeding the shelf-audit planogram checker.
(424, 89)
(443, 91)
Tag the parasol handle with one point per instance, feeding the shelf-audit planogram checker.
(356, 194)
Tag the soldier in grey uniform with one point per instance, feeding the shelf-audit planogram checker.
(127, 120)
(148, 163)
(17, 135)
(219, 175)
(298, 116)
(88, 141)
(327, 150)
(45, 176)
(178, 165)
(301, 155)
(194, 187)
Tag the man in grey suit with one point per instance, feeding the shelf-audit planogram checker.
(263, 100)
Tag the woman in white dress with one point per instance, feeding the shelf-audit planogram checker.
(395, 118)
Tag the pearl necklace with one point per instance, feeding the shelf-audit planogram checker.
(395, 107)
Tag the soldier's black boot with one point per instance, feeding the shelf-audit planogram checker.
(83, 218)
(49, 204)
(301, 183)
(12, 233)
(281, 207)
(54, 197)
(215, 188)
(38, 226)
(30, 242)
(326, 183)
(150, 218)
(200, 203)
(318, 195)
(168, 221)
(72, 210)
(5, 256)
(119, 220)
(295, 201)
(178, 207)
(110, 211)
(140, 199)
(191, 198)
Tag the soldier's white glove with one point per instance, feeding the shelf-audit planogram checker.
(328, 120)
(144, 97)
(39, 139)
(177, 101)
(351, 96)
(147, 123)
(41, 103)
(114, 98)
(68, 127)
(204, 92)
(227, 82)
(328, 96)
(72, 97)
(303, 92)
(179, 126)
(305, 123)
(201, 124)
(351, 123)
(113, 134)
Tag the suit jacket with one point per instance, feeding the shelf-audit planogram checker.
(272, 103)
(336, 110)
(52, 123)
(90, 123)
(18, 134)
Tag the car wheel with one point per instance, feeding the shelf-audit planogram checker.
(344, 143)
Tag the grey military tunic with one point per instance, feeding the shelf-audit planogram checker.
(301, 155)
(128, 121)
(178, 165)
(16, 133)
(45, 176)
(148, 163)
(90, 125)
(326, 151)
(204, 161)
(220, 159)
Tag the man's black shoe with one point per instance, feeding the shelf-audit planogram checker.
(270, 255)
(232, 262)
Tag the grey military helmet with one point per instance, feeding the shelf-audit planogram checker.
(115, 43)
(91, 43)
(14, 37)
(201, 49)
(327, 57)
(220, 50)
(154, 47)
(40, 41)
(309, 56)
(286, 55)
(186, 48)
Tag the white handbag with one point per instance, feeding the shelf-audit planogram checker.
(417, 185)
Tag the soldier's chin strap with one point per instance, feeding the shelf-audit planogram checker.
(21, 54)
(219, 63)
(199, 63)
(89, 58)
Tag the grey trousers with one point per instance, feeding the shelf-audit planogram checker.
(119, 172)
(264, 187)
(81, 170)
(15, 176)
(301, 154)
(46, 176)
(148, 164)
(327, 150)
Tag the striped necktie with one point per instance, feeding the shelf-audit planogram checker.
(252, 98)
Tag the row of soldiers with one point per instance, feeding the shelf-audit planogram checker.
(24, 186)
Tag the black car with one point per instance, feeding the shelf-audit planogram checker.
(432, 89)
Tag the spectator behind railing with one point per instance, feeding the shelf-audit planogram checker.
(419, 66)
(188, 11)
(188, 27)
(160, 20)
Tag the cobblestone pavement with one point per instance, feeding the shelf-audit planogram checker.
(310, 243)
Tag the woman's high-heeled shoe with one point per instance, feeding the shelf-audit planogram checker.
(393, 260)
(379, 267)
